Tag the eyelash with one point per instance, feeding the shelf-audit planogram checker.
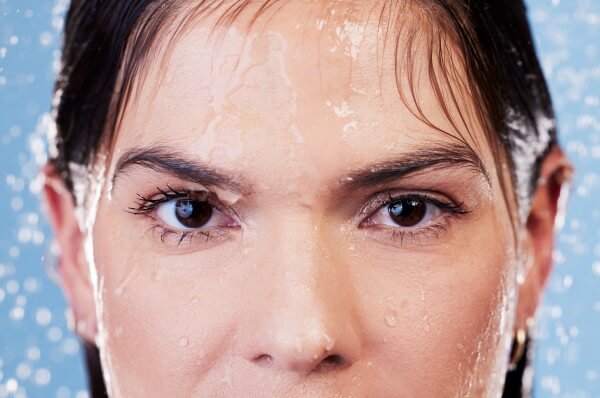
(450, 211)
(145, 206)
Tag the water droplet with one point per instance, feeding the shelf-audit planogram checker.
(33, 353)
(391, 320)
(42, 376)
(520, 277)
(329, 342)
(23, 371)
(43, 316)
(11, 385)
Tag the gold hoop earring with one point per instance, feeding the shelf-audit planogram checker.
(518, 348)
(519, 343)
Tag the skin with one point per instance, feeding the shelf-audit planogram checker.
(300, 290)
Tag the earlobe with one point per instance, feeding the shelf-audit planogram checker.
(71, 264)
(546, 209)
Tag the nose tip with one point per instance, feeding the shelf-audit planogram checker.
(304, 319)
(309, 353)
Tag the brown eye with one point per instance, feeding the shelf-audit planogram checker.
(187, 214)
(193, 214)
(407, 212)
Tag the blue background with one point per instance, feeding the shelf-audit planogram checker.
(39, 357)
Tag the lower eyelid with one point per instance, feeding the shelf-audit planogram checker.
(423, 236)
(168, 236)
(200, 239)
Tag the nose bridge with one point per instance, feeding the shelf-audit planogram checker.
(306, 268)
(306, 321)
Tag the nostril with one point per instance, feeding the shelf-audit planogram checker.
(264, 360)
(333, 360)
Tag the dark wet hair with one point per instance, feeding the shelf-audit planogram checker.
(107, 44)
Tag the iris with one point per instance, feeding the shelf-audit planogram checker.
(193, 214)
(407, 212)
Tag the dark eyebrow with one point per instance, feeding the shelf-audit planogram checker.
(420, 160)
(166, 160)
(163, 159)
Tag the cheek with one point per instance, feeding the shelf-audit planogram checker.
(163, 316)
(441, 316)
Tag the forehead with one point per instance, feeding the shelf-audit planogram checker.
(309, 84)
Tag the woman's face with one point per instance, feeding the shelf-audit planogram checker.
(275, 221)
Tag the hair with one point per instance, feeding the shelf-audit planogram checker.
(107, 46)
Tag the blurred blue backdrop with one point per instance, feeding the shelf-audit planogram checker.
(39, 357)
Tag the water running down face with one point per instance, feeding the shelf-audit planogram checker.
(276, 221)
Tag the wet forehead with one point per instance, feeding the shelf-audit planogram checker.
(309, 87)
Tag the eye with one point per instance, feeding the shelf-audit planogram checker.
(188, 215)
(406, 213)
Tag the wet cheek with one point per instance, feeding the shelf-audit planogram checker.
(468, 310)
(425, 319)
(159, 314)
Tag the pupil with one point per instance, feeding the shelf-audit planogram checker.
(193, 214)
(407, 212)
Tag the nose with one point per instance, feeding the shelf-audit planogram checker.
(303, 321)
(314, 350)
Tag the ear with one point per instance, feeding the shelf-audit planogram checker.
(546, 208)
(72, 266)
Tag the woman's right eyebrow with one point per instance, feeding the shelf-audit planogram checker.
(166, 160)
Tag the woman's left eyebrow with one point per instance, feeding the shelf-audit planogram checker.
(421, 160)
